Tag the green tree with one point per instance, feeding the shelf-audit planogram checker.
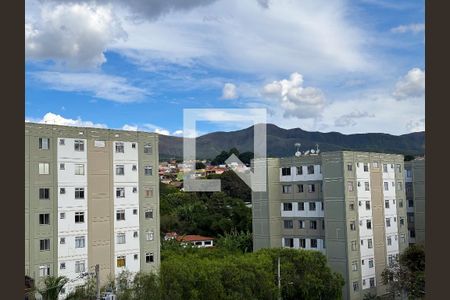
(52, 286)
(236, 241)
(233, 186)
(407, 274)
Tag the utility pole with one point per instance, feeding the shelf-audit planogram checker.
(279, 278)
(97, 279)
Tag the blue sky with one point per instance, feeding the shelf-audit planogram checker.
(347, 66)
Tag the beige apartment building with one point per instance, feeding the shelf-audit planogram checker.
(415, 196)
(351, 206)
(91, 197)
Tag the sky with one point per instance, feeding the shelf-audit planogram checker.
(320, 65)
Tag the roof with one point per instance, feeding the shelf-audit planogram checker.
(193, 238)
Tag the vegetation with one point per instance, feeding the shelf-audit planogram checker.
(52, 286)
(407, 274)
(233, 186)
(220, 159)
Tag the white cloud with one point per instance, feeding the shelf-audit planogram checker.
(54, 119)
(294, 99)
(229, 91)
(414, 28)
(416, 125)
(178, 132)
(113, 88)
(74, 35)
(349, 119)
(130, 127)
(412, 85)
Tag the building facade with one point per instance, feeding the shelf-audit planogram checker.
(415, 196)
(351, 206)
(91, 197)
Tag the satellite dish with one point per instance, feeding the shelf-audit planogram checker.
(298, 153)
(307, 152)
(313, 151)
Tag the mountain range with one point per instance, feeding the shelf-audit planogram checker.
(280, 142)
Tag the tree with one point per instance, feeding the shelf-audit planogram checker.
(233, 186)
(235, 241)
(199, 165)
(52, 286)
(408, 273)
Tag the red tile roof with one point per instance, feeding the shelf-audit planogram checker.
(193, 238)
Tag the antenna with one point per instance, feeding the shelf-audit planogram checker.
(317, 149)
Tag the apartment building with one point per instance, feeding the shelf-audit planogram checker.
(91, 197)
(415, 196)
(348, 205)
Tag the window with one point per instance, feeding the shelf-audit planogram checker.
(313, 243)
(135, 234)
(359, 203)
(408, 173)
(412, 233)
(44, 219)
(149, 235)
(362, 262)
(369, 243)
(149, 214)
(121, 261)
(400, 203)
(149, 258)
(403, 238)
(120, 215)
(289, 242)
(385, 168)
(354, 246)
(402, 221)
(355, 286)
(386, 186)
(399, 168)
(350, 186)
(355, 265)
(44, 143)
(367, 205)
(301, 224)
(62, 215)
(302, 243)
(44, 270)
(310, 169)
(286, 189)
(300, 170)
(44, 245)
(352, 225)
(120, 192)
(135, 257)
(351, 206)
(134, 168)
(410, 203)
(389, 241)
(148, 170)
(288, 224)
(313, 224)
(372, 282)
(79, 217)
(120, 148)
(366, 167)
(62, 142)
(121, 238)
(366, 186)
(62, 191)
(120, 170)
(311, 188)
(388, 222)
(44, 168)
(79, 193)
(300, 188)
(62, 166)
(362, 244)
(62, 266)
(79, 145)
(301, 205)
(148, 149)
(322, 205)
(369, 224)
(79, 169)
(400, 186)
(285, 171)
(287, 206)
(148, 193)
(135, 211)
(312, 206)
(359, 183)
(386, 203)
(80, 266)
(79, 242)
(62, 240)
(134, 189)
(349, 167)
(133, 145)
(44, 193)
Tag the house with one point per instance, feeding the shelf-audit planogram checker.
(196, 240)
